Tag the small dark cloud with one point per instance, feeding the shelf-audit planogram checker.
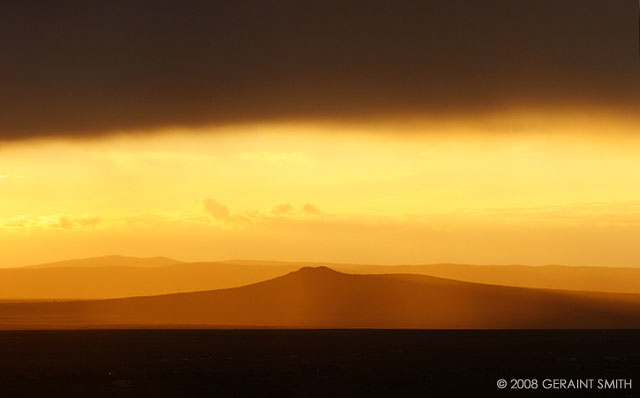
(71, 222)
(65, 222)
(83, 68)
(88, 221)
(221, 213)
(282, 209)
(310, 209)
(216, 210)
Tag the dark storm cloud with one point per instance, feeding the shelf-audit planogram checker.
(82, 68)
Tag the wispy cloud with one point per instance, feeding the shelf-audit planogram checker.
(221, 213)
(209, 213)
(308, 208)
(223, 216)
(282, 209)
(54, 221)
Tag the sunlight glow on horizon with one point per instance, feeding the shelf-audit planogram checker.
(463, 192)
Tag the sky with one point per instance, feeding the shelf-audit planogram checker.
(367, 132)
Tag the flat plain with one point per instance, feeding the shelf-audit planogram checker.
(316, 363)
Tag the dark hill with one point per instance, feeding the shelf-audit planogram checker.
(323, 298)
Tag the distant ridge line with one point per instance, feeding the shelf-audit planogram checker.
(319, 297)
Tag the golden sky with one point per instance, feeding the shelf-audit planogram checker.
(528, 188)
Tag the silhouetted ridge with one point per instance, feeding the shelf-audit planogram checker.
(319, 272)
(319, 297)
(120, 276)
(109, 261)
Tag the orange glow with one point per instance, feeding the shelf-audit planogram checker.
(519, 188)
(323, 298)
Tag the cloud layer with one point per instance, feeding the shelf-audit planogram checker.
(85, 68)
(579, 234)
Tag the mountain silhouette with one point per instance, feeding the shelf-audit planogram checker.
(119, 276)
(323, 298)
(106, 261)
(606, 279)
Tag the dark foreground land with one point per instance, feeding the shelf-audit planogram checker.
(301, 363)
